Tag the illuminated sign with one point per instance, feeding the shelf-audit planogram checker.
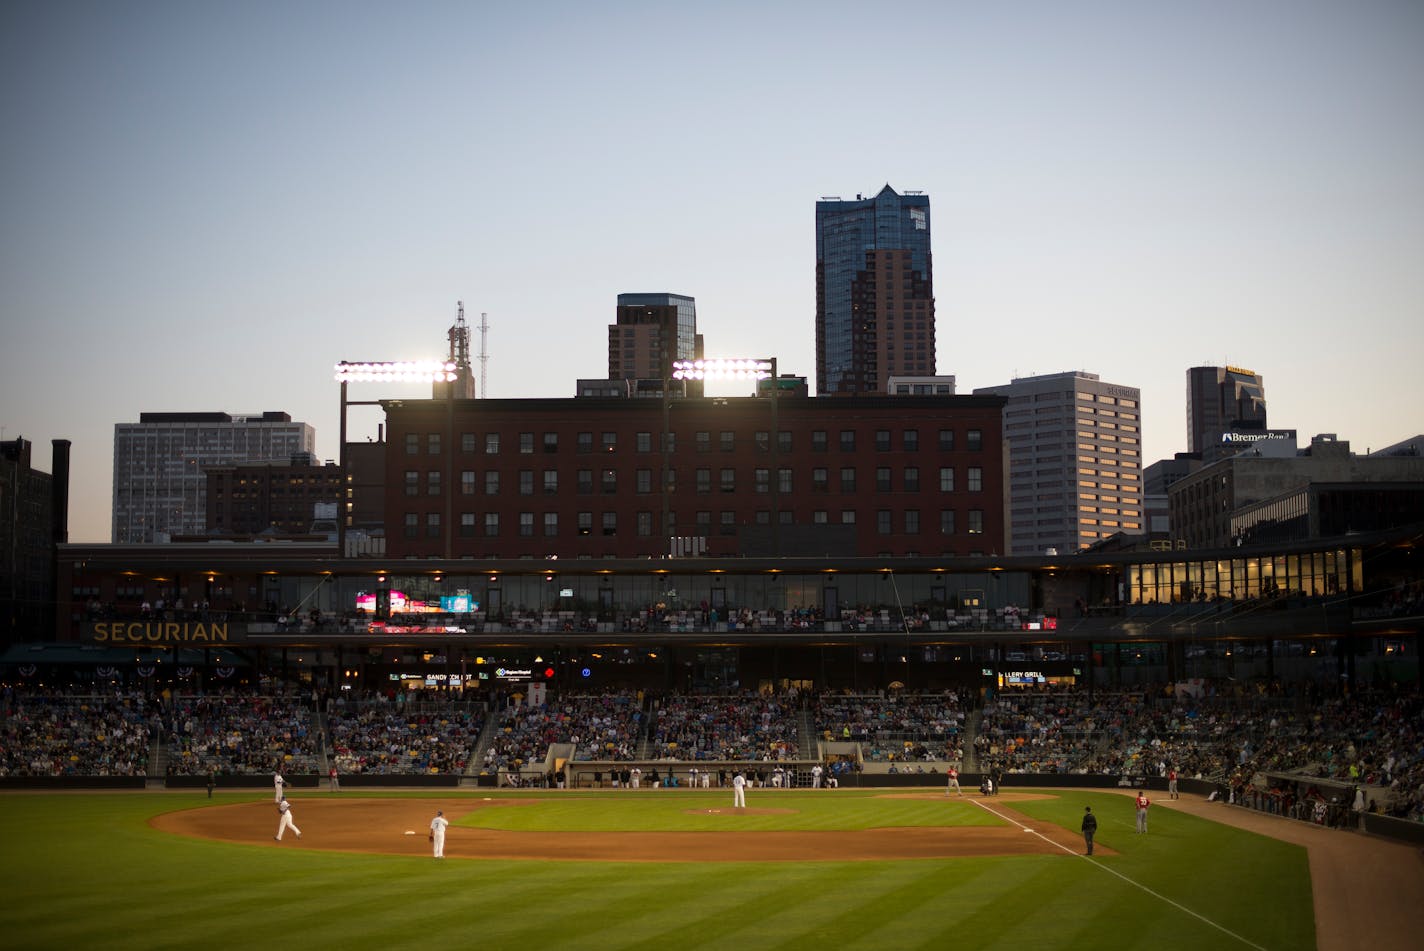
(513, 673)
(157, 632)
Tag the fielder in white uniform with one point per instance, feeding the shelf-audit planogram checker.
(285, 823)
(739, 791)
(277, 783)
(437, 833)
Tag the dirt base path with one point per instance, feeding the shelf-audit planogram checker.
(1368, 891)
(400, 827)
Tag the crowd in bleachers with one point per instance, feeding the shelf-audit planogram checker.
(895, 728)
(48, 732)
(378, 737)
(747, 726)
(1370, 739)
(228, 733)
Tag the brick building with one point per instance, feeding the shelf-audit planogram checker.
(792, 476)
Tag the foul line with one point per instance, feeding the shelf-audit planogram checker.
(1112, 871)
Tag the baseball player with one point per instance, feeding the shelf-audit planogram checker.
(277, 785)
(739, 791)
(283, 824)
(1172, 783)
(953, 782)
(437, 833)
(1142, 803)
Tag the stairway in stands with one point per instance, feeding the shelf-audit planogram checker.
(157, 763)
(807, 741)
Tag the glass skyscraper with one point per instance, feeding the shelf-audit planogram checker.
(874, 292)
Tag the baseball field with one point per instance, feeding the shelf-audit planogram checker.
(652, 869)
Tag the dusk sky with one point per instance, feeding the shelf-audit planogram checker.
(206, 206)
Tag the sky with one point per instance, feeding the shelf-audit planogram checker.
(205, 206)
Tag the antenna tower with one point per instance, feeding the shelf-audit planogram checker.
(484, 352)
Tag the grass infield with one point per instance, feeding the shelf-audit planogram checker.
(87, 871)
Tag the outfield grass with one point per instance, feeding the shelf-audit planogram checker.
(85, 871)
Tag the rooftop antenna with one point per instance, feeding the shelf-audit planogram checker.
(484, 352)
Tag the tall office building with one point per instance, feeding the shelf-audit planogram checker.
(652, 330)
(1221, 399)
(161, 462)
(1075, 461)
(874, 293)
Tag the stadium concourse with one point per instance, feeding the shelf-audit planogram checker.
(1298, 751)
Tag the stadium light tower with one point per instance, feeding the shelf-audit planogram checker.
(758, 369)
(414, 371)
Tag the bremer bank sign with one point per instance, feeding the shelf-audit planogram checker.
(1269, 435)
(158, 632)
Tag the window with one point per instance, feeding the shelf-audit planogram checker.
(491, 524)
(912, 478)
(432, 525)
(526, 524)
(526, 481)
(911, 440)
(704, 481)
(946, 440)
(763, 440)
(670, 442)
(432, 482)
(585, 482)
(847, 516)
(882, 479)
(783, 481)
(491, 444)
(882, 440)
(412, 444)
(761, 480)
(847, 440)
(912, 521)
(551, 481)
(645, 524)
(412, 482)
(412, 525)
(974, 440)
(610, 481)
(467, 482)
(763, 516)
(818, 440)
(728, 480)
(976, 521)
(946, 521)
(727, 440)
(467, 442)
(610, 442)
(882, 522)
(551, 524)
(467, 524)
(643, 442)
(783, 440)
(728, 522)
(847, 480)
(610, 523)
(820, 481)
(704, 442)
(975, 480)
(819, 517)
(644, 481)
(551, 442)
(432, 444)
(526, 443)
(704, 523)
(492, 483)
(584, 443)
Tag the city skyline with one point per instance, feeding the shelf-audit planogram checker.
(208, 208)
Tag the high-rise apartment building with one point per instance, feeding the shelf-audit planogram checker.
(1075, 461)
(874, 293)
(161, 463)
(652, 331)
(1221, 399)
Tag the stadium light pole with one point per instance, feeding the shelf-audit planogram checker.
(413, 371)
(757, 369)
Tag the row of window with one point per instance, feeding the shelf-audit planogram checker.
(548, 481)
(488, 525)
(884, 441)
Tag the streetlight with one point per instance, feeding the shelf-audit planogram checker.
(410, 371)
(758, 369)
